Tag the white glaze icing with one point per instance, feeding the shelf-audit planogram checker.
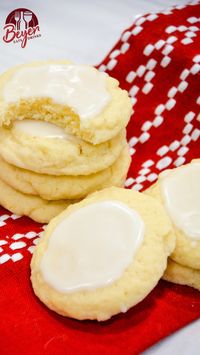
(43, 129)
(92, 247)
(180, 190)
(81, 87)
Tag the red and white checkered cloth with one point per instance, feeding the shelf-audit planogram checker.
(158, 62)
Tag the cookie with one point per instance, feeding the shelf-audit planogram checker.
(179, 191)
(44, 148)
(182, 275)
(85, 102)
(39, 210)
(51, 187)
(71, 269)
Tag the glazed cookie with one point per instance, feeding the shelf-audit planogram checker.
(79, 98)
(179, 191)
(45, 148)
(39, 210)
(182, 275)
(51, 187)
(102, 255)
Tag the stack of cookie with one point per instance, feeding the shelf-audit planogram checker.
(62, 136)
(179, 191)
(130, 240)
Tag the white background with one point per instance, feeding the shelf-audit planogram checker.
(84, 31)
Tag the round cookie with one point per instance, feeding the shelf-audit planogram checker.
(138, 279)
(104, 124)
(182, 275)
(58, 156)
(187, 249)
(51, 187)
(39, 210)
